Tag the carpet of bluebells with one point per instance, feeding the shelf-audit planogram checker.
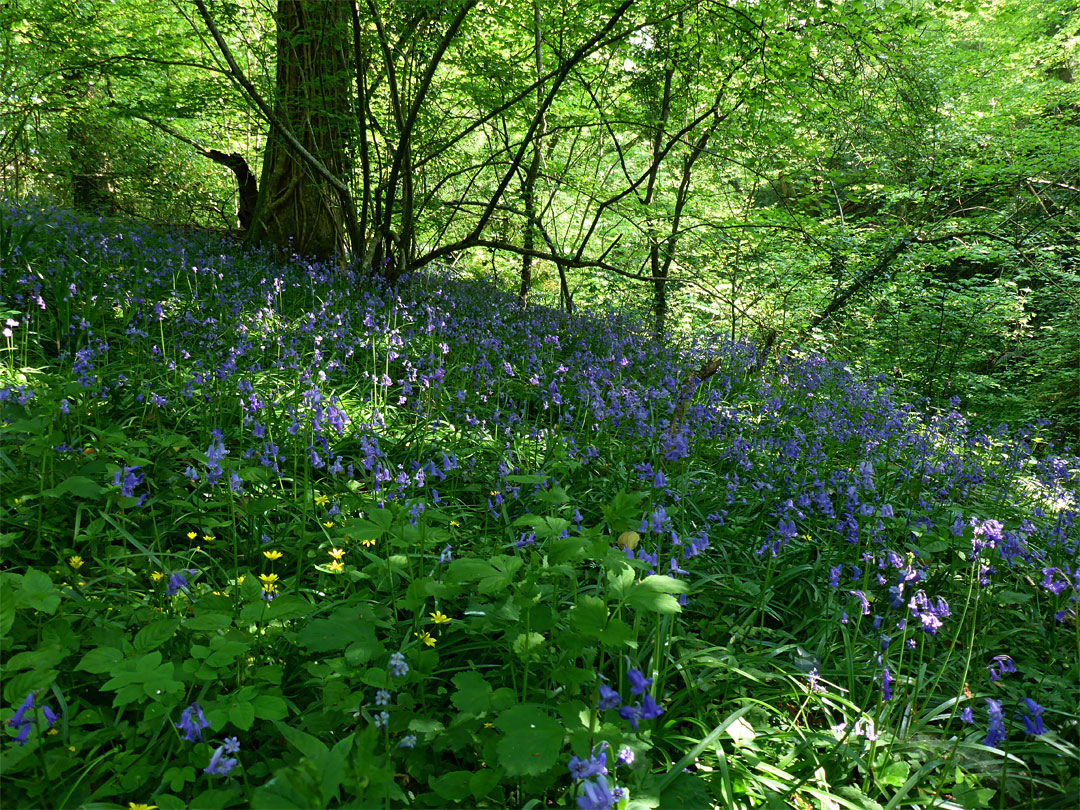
(275, 536)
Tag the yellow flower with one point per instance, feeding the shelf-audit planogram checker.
(268, 579)
(439, 617)
(52, 732)
(137, 806)
(269, 587)
(321, 500)
(328, 524)
(240, 580)
(336, 566)
(75, 562)
(157, 576)
(18, 502)
(455, 523)
(272, 555)
(368, 543)
(208, 538)
(425, 637)
(336, 553)
(71, 748)
(192, 535)
(489, 725)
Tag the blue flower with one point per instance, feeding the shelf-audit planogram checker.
(18, 719)
(609, 698)
(625, 756)
(398, 667)
(1034, 724)
(966, 716)
(596, 795)
(192, 722)
(631, 714)
(382, 698)
(638, 682)
(650, 709)
(220, 765)
(381, 719)
(995, 731)
(408, 741)
(232, 745)
(594, 765)
(886, 684)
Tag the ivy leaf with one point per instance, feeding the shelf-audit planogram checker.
(532, 741)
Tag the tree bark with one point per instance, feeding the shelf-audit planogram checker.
(297, 209)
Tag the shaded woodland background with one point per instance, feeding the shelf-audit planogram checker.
(893, 183)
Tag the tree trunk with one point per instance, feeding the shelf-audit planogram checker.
(529, 191)
(296, 209)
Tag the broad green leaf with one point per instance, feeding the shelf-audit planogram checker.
(473, 695)
(453, 786)
(155, 634)
(100, 660)
(78, 485)
(38, 592)
(532, 741)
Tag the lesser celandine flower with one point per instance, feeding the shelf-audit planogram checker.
(336, 553)
(336, 566)
(156, 576)
(138, 806)
(438, 617)
(192, 535)
(76, 562)
(321, 500)
(272, 555)
(425, 637)
(269, 581)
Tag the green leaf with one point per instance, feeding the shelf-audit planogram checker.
(78, 485)
(343, 627)
(894, 774)
(270, 707)
(654, 594)
(473, 695)
(100, 660)
(527, 645)
(155, 634)
(482, 782)
(208, 622)
(38, 592)
(531, 743)
(469, 569)
(589, 616)
(453, 786)
(241, 714)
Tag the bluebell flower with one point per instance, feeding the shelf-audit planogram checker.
(995, 731)
(631, 714)
(1033, 724)
(967, 716)
(638, 682)
(886, 684)
(593, 765)
(609, 698)
(50, 716)
(220, 765)
(625, 756)
(650, 709)
(19, 718)
(192, 722)
(445, 556)
(596, 795)
(834, 576)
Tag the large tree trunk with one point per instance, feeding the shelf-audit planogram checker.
(297, 209)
